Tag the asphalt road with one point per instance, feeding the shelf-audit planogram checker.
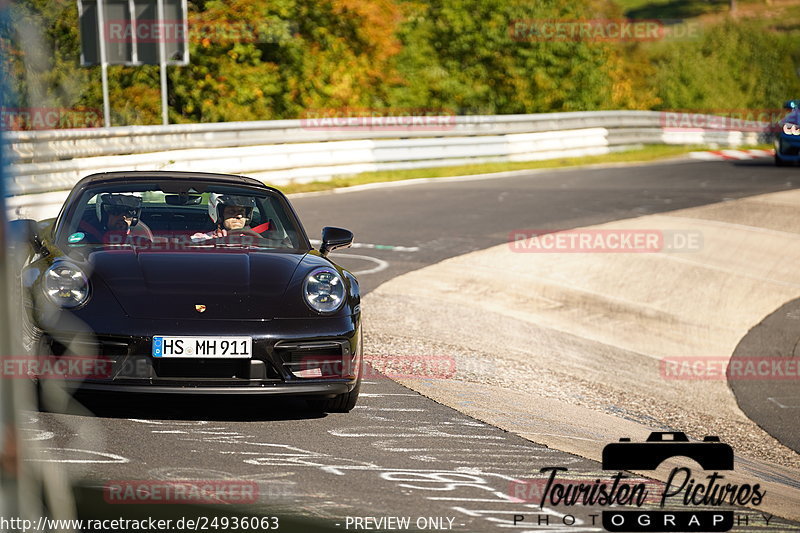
(448, 219)
(397, 453)
(773, 404)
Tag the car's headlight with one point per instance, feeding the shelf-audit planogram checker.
(66, 285)
(791, 129)
(324, 290)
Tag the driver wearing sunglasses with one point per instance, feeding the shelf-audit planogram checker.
(119, 214)
(120, 217)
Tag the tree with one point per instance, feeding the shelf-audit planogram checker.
(300, 55)
(485, 56)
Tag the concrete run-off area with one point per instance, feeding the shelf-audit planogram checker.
(570, 349)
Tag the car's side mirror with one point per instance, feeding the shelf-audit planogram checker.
(333, 238)
(23, 231)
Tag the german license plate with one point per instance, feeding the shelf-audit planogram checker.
(205, 347)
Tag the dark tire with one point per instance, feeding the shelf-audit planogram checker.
(342, 403)
(780, 162)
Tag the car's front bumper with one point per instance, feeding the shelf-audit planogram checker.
(787, 148)
(285, 359)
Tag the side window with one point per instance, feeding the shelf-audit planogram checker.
(258, 216)
(268, 212)
(88, 215)
(83, 220)
(282, 228)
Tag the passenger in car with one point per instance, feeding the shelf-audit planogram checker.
(231, 214)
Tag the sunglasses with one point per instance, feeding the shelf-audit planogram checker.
(118, 210)
(230, 212)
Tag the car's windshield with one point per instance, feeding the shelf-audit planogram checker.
(179, 217)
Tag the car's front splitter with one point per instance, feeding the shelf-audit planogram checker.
(293, 389)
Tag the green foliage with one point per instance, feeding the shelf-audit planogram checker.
(466, 56)
(254, 60)
(336, 57)
(734, 65)
(250, 60)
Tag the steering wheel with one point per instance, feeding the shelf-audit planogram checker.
(244, 231)
(241, 236)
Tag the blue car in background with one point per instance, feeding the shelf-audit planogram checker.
(787, 136)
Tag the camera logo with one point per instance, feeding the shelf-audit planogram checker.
(703, 502)
(711, 454)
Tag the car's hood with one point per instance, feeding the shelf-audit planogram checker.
(229, 284)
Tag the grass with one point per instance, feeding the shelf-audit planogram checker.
(648, 153)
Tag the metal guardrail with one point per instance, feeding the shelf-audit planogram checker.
(52, 145)
(283, 151)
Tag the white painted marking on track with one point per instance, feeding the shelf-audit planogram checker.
(424, 432)
(184, 473)
(109, 457)
(376, 246)
(382, 265)
(38, 434)
(239, 453)
(170, 422)
(786, 402)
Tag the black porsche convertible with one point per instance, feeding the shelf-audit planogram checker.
(184, 282)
